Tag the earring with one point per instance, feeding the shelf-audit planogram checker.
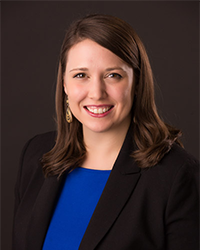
(68, 113)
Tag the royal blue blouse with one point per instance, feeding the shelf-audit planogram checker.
(77, 202)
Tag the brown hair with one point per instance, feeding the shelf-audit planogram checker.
(152, 136)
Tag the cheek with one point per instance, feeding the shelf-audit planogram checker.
(129, 92)
(123, 95)
(75, 93)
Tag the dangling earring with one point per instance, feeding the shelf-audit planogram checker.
(68, 113)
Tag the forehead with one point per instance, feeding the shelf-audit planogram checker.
(88, 53)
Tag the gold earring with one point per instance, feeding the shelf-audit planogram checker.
(68, 113)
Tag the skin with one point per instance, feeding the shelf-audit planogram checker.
(100, 89)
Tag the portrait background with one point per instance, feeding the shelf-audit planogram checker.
(32, 34)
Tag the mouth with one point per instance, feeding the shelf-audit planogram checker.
(98, 109)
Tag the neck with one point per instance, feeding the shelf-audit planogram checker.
(103, 148)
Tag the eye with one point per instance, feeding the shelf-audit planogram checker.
(115, 75)
(80, 75)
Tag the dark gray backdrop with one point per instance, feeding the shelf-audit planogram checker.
(32, 33)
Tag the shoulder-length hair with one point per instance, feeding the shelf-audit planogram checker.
(152, 136)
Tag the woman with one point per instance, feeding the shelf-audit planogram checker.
(114, 175)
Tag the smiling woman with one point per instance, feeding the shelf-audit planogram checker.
(114, 175)
(99, 85)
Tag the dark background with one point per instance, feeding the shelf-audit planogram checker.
(32, 33)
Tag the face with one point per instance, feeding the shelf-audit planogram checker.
(100, 87)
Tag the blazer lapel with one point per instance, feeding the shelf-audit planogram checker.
(121, 183)
(42, 212)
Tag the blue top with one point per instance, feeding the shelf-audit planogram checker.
(77, 202)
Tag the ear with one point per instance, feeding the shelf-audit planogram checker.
(65, 87)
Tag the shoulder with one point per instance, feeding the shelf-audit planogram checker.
(30, 161)
(178, 155)
(173, 181)
(178, 158)
(40, 144)
(36, 147)
(177, 166)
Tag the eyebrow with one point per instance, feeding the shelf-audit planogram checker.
(118, 68)
(77, 69)
(86, 69)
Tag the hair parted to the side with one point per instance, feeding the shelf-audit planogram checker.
(152, 136)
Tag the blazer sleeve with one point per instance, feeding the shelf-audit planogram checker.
(30, 161)
(182, 213)
(19, 176)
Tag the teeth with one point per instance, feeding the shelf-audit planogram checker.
(98, 110)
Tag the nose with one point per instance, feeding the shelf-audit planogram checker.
(97, 89)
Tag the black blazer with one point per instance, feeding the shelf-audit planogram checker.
(149, 209)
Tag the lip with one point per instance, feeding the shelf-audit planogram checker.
(97, 115)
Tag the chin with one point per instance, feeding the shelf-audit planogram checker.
(98, 128)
